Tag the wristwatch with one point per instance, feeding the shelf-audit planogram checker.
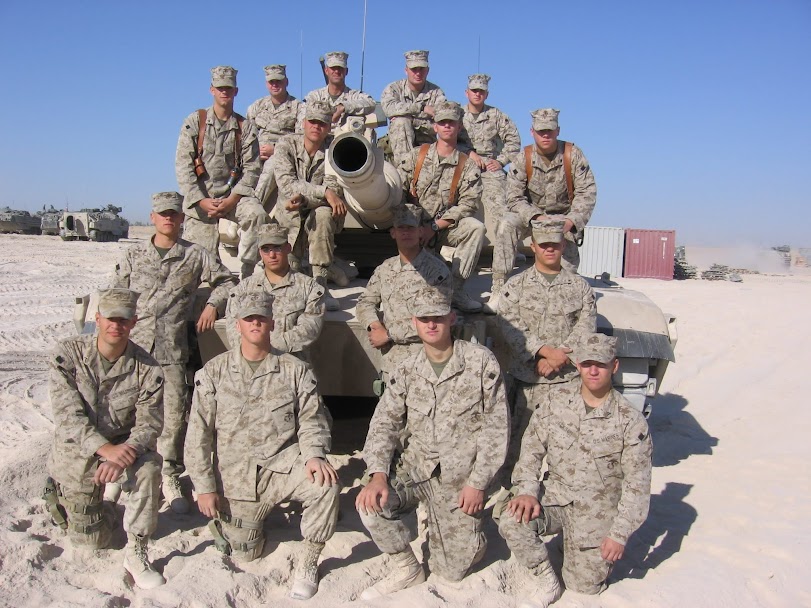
(434, 227)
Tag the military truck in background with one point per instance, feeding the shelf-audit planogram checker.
(94, 225)
(18, 221)
(49, 220)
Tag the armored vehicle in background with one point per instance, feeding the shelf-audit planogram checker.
(49, 220)
(18, 221)
(94, 225)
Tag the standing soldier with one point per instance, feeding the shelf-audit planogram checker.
(217, 167)
(597, 489)
(167, 271)
(314, 208)
(447, 185)
(552, 177)
(258, 436)
(344, 101)
(410, 106)
(106, 394)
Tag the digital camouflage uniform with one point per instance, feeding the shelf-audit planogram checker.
(91, 408)
(356, 103)
(167, 287)
(260, 428)
(598, 484)
(458, 427)
(409, 125)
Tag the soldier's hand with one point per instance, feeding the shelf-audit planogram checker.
(227, 205)
(480, 162)
(471, 500)
(123, 455)
(107, 472)
(339, 111)
(542, 368)
(494, 165)
(426, 234)
(209, 504)
(524, 508)
(337, 204)
(429, 110)
(266, 151)
(568, 225)
(611, 550)
(210, 206)
(378, 335)
(321, 472)
(294, 204)
(374, 495)
(206, 319)
(556, 357)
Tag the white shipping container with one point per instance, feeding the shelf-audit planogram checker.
(602, 251)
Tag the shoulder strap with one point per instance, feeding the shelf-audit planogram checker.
(418, 167)
(528, 162)
(567, 168)
(238, 140)
(201, 131)
(457, 175)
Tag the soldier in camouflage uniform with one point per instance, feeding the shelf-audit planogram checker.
(448, 222)
(409, 105)
(314, 209)
(449, 401)
(597, 489)
(546, 194)
(274, 115)
(383, 308)
(167, 271)
(298, 301)
(544, 309)
(344, 101)
(107, 400)
(226, 189)
(258, 436)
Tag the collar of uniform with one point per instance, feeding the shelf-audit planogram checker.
(230, 124)
(123, 365)
(453, 159)
(286, 281)
(237, 363)
(319, 154)
(454, 366)
(556, 161)
(178, 250)
(481, 116)
(561, 278)
(606, 410)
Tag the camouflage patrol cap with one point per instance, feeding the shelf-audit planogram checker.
(430, 302)
(408, 215)
(167, 201)
(223, 76)
(447, 110)
(335, 59)
(318, 110)
(478, 81)
(595, 347)
(255, 303)
(117, 303)
(549, 229)
(277, 71)
(271, 234)
(416, 59)
(545, 119)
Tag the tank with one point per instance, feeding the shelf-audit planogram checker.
(18, 221)
(49, 220)
(93, 225)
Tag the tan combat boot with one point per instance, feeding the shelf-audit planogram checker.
(548, 590)
(405, 572)
(137, 563)
(462, 299)
(173, 493)
(305, 579)
(320, 274)
(491, 307)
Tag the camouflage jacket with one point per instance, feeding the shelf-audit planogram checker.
(534, 312)
(492, 133)
(599, 462)
(547, 193)
(459, 421)
(92, 408)
(167, 287)
(242, 420)
(355, 103)
(399, 100)
(298, 173)
(274, 121)
(218, 158)
(298, 310)
(434, 185)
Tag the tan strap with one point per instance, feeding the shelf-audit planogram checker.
(567, 168)
(457, 175)
(201, 131)
(201, 135)
(528, 162)
(238, 140)
(418, 167)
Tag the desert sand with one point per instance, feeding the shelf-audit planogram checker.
(731, 499)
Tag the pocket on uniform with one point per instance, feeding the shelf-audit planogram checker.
(282, 414)
(608, 459)
(122, 408)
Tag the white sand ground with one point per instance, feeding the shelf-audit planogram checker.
(730, 511)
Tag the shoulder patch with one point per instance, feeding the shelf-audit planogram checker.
(159, 380)
(491, 375)
(197, 383)
(392, 381)
(59, 359)
(642, 436)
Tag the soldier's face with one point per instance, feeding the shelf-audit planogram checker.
(336, 74)
(547, 255)
(316, 131)
(476, 96)
(224, 96)
(435, 331)
(255, 329)
(168, 222)
(274, 257)
(546, 139)
(115, 330)
(416, 76)
(596, 376)
(277, 87)
(447, 130)
(407, 237)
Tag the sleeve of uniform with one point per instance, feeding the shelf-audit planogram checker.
(221, 280)
(358, 103)
(517, 200)
(393, 103)
(521, 342)
(68, 405)
(510, 139)
(199, 447)
(463, 142)
(632, 509)
(284, 168)
(122, 272)
(250, 114)
(491, 444)
(370, 300)
(184, 162)
(469, 194)
(148, 410)
(387, 423)
(527, 472)
(587, 319)
(300, 117)
(406, 169)
(585, 191)
(251, 166)
(314, 435)
(308, 324)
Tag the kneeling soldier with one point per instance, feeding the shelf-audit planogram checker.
(107, 399)
(258, 436)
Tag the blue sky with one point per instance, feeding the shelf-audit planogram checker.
(695, 116)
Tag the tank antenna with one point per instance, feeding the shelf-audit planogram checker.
(363, 46)
(479, 56)
(301, 65)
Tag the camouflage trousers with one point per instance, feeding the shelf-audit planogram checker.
(467, 238)
(584, 569)
(203, 230)
(175, 418)
(140, 485)
(494, 201)
(317, 228)
(317, 521)
(454, 538)
(266, 188)
(510, 232)
(407, 133)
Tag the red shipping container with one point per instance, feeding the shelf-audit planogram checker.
(649, 253)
